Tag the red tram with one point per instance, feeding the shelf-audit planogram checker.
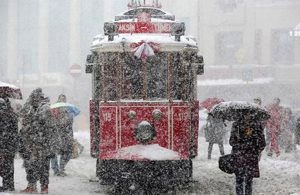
(144, 110)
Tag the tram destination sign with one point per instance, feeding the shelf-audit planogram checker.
(144, 27)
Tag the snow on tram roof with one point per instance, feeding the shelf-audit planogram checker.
(101, 41)
(152, 20)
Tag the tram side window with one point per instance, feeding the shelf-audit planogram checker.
(110, 72)
(157, 76)
(177, 77)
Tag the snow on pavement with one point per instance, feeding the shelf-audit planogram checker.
(279, 175)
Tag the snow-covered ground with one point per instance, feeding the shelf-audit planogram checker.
(279, 176)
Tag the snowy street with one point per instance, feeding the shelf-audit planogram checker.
(279, 176)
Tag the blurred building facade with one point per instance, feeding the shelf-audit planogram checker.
(41, 40)
(251, 47)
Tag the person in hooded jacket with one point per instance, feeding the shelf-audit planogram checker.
(248, 141)
(8, 144)
(214, 133)
(38, 141)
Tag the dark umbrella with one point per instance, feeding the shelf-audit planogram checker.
(235, 110)
(9, 91)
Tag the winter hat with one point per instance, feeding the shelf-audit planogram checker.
(37, 93)
(257, 100)
(62, 98)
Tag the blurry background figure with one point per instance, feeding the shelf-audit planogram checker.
(273, 127)
(8, 144)
(257, 101)
(214, 133)
(288, 128)
(297, 132)
(64, 116)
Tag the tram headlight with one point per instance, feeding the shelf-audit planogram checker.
(131, 114)
(144, 132)
(157, 114)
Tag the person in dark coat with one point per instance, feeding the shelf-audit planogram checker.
(64, 123)
(297, 131)
(38, 141)
(248, 141)
(214, 133)
(8, 145)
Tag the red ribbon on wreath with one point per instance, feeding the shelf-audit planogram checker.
(143, 50)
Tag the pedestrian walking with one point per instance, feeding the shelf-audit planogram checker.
(214, 133)
(273, 127)
(288, 127)
(64, 122)
(38, 141)
(297, 131)
(247, 141)
(8, 144)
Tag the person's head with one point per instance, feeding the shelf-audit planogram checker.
(288, 111)
(62, 98)
(36, 97)
(276, 101)
(257, 101)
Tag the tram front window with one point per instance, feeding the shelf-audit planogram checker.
(145, 80)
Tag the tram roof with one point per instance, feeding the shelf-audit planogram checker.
(165, 41)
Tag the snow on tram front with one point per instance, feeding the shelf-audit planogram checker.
(144, 110)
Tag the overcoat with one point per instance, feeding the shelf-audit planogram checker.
(8, 136)
(247, 141)
(39, 135)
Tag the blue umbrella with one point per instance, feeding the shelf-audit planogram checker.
(72, 109)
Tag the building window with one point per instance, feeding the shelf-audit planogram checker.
(257, 46)
(227, 5)
(282, 51)
(229, 48)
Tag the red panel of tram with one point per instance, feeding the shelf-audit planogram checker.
(181, 128)
(143, 113)
(92, 128)
(108, 130)
(117, 127)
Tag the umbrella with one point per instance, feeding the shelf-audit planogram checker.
(235, 110)
(10, 91)
(72, 109)
(210, 102)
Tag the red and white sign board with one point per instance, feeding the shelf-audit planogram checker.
(75, 70)
(144, 27)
